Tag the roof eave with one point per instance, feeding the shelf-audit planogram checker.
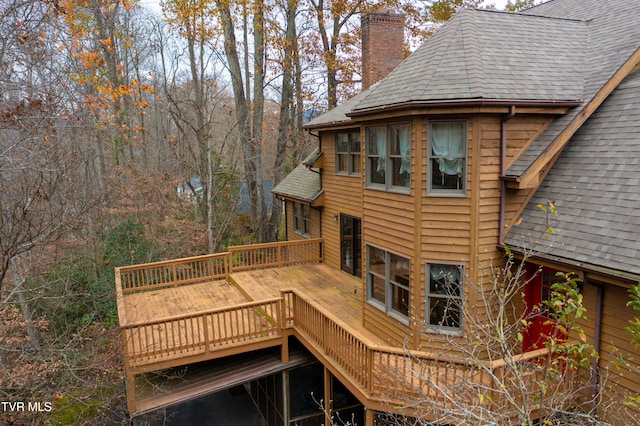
(326, 124)
(449, 103)
(313, 200)
(620, 276)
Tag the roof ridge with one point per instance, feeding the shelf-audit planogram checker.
(532, 15)
(433, 39)
(474, 67)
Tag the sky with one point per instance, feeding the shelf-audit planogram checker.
(154, 4)
(500, 4)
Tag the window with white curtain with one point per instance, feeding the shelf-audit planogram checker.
(447, 154)
(389, 156)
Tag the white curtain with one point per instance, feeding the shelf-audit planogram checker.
(378, 137)
(448, 144)
(404, 136)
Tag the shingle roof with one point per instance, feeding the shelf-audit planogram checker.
(338, 114)
(595, 185)
(302, 183)
(613, 36)
(492, 55)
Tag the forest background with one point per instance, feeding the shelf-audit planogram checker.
(128, 136)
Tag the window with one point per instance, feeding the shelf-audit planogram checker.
(389, 157)
(388, 282)
(548, 277)
(447, 157)
(302, 218)
(348, 153)
(444, 297)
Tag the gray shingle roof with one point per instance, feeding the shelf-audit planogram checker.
(595, 185)
(613, 36)
(338, 114)
(302, 183)
(492, 55)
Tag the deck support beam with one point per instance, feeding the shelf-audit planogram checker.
(284, 349)
(327, 396)
(368, 417)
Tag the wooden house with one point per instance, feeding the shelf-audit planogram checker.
(417, 184)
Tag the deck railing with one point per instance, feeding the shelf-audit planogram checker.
(395, 376)
(201, 332)
(275, 255)
(174, 273)
(375, 369)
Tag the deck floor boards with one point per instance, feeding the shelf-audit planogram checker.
(320, 283)
(323, 284)
(174, 301)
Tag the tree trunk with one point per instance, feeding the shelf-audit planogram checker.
(18, 282)
(250, 145)
(261, 227)
(284, 124)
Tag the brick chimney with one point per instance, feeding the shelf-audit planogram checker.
(382, 44)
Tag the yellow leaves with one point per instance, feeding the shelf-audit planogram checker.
(106, 43)
(91, 59)
(142, 104)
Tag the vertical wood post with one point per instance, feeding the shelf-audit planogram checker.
(174, 276)
(369, 370)
(368, 417)
(205, 330)
(129, 380)
(279, 254)
(327, 397)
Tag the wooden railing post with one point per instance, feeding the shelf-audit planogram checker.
(279, 255)
(369, 370)
(205, 330)
(174, 274)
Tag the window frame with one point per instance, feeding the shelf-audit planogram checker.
(388, 305)
(447, 192)
(302, 219)
(443, 329)
(387, 159)
(353, 156)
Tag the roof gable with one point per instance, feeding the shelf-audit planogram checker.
(612, 52)
(595, 187)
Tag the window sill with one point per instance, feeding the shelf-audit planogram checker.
(391, 314)
(443, 331)
(446, 194)
(395, 190)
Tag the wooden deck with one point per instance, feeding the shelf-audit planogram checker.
(141, 308)
(164, 327)
(339, 292)
(254, 297)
